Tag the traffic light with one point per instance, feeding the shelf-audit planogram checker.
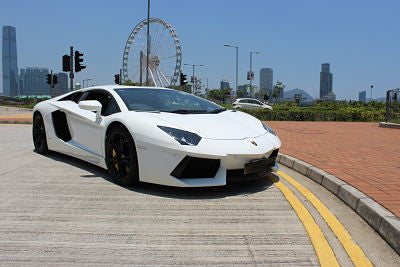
(78, 61)
(117, 79)
(183, 79)
(55, 79)
(48, 79)
(66, 63)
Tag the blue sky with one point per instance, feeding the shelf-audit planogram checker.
(360, 38)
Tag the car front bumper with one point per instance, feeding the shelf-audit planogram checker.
(158, 161)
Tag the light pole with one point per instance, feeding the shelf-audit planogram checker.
(371, 92)
(193, 65)
(251, 70)
(237, 64)
(148, 43)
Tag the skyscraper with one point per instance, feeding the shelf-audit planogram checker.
(34, 81)
(325, 84)
(9, 61)
(266, 80)
(362, 96)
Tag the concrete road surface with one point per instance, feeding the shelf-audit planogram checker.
(56, 210)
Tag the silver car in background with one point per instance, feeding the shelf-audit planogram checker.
(250, 103)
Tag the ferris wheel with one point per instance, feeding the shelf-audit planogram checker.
(165, 57)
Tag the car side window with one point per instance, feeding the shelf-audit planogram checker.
(108, 104)
(243, 101)
(72, 97)
(252, 101)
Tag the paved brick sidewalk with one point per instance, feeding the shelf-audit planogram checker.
(362, 154)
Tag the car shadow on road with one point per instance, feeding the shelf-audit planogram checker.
(232, 189)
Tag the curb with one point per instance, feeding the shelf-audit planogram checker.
(389, 125)
(383, 221)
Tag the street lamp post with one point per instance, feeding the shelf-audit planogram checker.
(148, 43)
(237, 64)
(371, 92)
(251, 66)
(193, 65)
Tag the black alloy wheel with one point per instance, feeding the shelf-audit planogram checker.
(121, 158)
(39, 134)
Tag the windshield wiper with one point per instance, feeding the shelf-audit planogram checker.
(217, 110)
(152, 111)
(185, 111)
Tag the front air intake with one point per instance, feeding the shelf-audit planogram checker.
(191, 167)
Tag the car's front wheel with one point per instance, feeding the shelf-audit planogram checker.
(121, 158)
(39, 134)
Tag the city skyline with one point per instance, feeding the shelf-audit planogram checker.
(362, 50)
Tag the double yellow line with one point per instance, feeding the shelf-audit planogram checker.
(321, 246)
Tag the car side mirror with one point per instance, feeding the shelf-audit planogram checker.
(91, 105)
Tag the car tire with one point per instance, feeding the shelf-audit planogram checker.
(39, 134)
(121, 157)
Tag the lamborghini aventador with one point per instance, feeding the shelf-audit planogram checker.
(156, 135)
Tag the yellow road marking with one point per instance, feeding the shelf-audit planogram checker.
(321, 246)
(355, 253)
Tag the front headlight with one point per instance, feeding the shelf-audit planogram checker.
(181, 136)
(266, 127)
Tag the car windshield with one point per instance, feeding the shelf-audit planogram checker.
(163, 100)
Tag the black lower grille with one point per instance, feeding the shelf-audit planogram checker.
(238, 175)
(191, 167)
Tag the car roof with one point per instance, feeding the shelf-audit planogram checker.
(247, 98)
(116, 86)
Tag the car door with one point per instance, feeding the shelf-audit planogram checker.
(244, 103)
(86, 129)
(255, 104)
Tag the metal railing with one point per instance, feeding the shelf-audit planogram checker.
(392, 105)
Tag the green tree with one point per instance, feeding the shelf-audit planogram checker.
(219, 94)
(215, 94)
(278, 88)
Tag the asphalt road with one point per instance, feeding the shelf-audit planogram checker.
(56, 210)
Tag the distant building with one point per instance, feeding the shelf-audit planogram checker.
(34, 81)
(325, 85)
(362, 96)
(9, 61)
(62, 85)
(266, 80)
(224, 84)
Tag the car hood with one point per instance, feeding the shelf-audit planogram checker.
(225, 125)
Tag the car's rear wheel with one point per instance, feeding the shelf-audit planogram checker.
(39, 134)
(121, 158)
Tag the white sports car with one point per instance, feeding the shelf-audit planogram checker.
(156, 135)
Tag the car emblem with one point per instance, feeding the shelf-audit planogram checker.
(253, 143)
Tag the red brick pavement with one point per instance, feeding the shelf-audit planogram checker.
(362, 154)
